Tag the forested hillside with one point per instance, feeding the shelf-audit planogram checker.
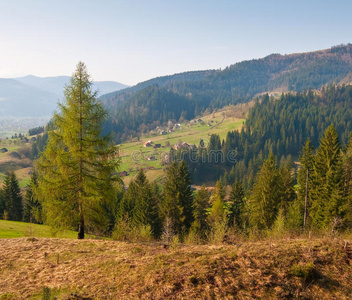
(147, 109)
(280, 126)
(237, 83)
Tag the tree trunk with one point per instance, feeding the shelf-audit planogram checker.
(306, 201)
(81, 217)
(81, 224)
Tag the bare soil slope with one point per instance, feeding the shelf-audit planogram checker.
(95, 269)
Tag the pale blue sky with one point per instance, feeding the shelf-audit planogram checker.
(134, 40)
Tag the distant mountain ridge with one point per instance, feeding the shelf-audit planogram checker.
(211, 89)
(243, 80)
(32, 96)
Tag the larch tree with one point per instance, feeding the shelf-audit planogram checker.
(217, 212)
(75, 170)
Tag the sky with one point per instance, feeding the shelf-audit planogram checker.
(130, 41)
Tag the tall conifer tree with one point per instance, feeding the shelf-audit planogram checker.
(327, 180)
(304, 181)
(74, 171)
(200, 206)
(237, 205)
(177, 203)
(347, 168)
(146, 207)
(32, 208)
(12, 198)
(266, 195)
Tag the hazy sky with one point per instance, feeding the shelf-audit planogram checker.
(131, 41)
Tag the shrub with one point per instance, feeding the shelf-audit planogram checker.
(218, 232)
(305, 271)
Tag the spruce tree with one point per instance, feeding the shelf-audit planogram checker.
(171, 207)
(266, 196)
(236, 216)
(146, 207)
(288, 193)
(32, 208)
(186, 193)
(200, 210)
(327, 180)
(75, 170)
(347, 168)
(11, 194)
(178, 197)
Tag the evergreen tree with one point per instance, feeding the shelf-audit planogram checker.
(11, 193)
(171, 207)
(2, 204)
(200, 210)
(347, 167)
(217, 211)
(75, 170)
(178, 197)
(146, 207)
(288, 193)
(186, 193)
(304, 182)
(266, 195)
(32, 208)
(327, 180)
(237, 205)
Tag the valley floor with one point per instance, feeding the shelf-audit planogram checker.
(98, 269)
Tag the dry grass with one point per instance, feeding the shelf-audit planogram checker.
(73, 269)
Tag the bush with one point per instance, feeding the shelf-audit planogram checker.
(305, 271)
(175, 242)
(193, 238)
(218, 232)
(125, 231)
(24, 151)
(122, 230)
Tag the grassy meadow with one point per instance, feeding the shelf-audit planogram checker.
(21, 166)
(134, 155)
(14, 229)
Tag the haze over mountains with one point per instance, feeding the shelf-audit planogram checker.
(33, 96)
(194, 92)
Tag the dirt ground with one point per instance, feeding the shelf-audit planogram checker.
(98, 269)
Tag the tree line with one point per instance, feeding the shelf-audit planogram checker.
(321, 200)
(76, 184)
(278, 126)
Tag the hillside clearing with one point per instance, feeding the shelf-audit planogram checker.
(95, 269)
(134, 155)
(14, 229)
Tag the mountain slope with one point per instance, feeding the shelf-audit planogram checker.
(32, 96)
(57, 84)
(242, 81)
(20, 100)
